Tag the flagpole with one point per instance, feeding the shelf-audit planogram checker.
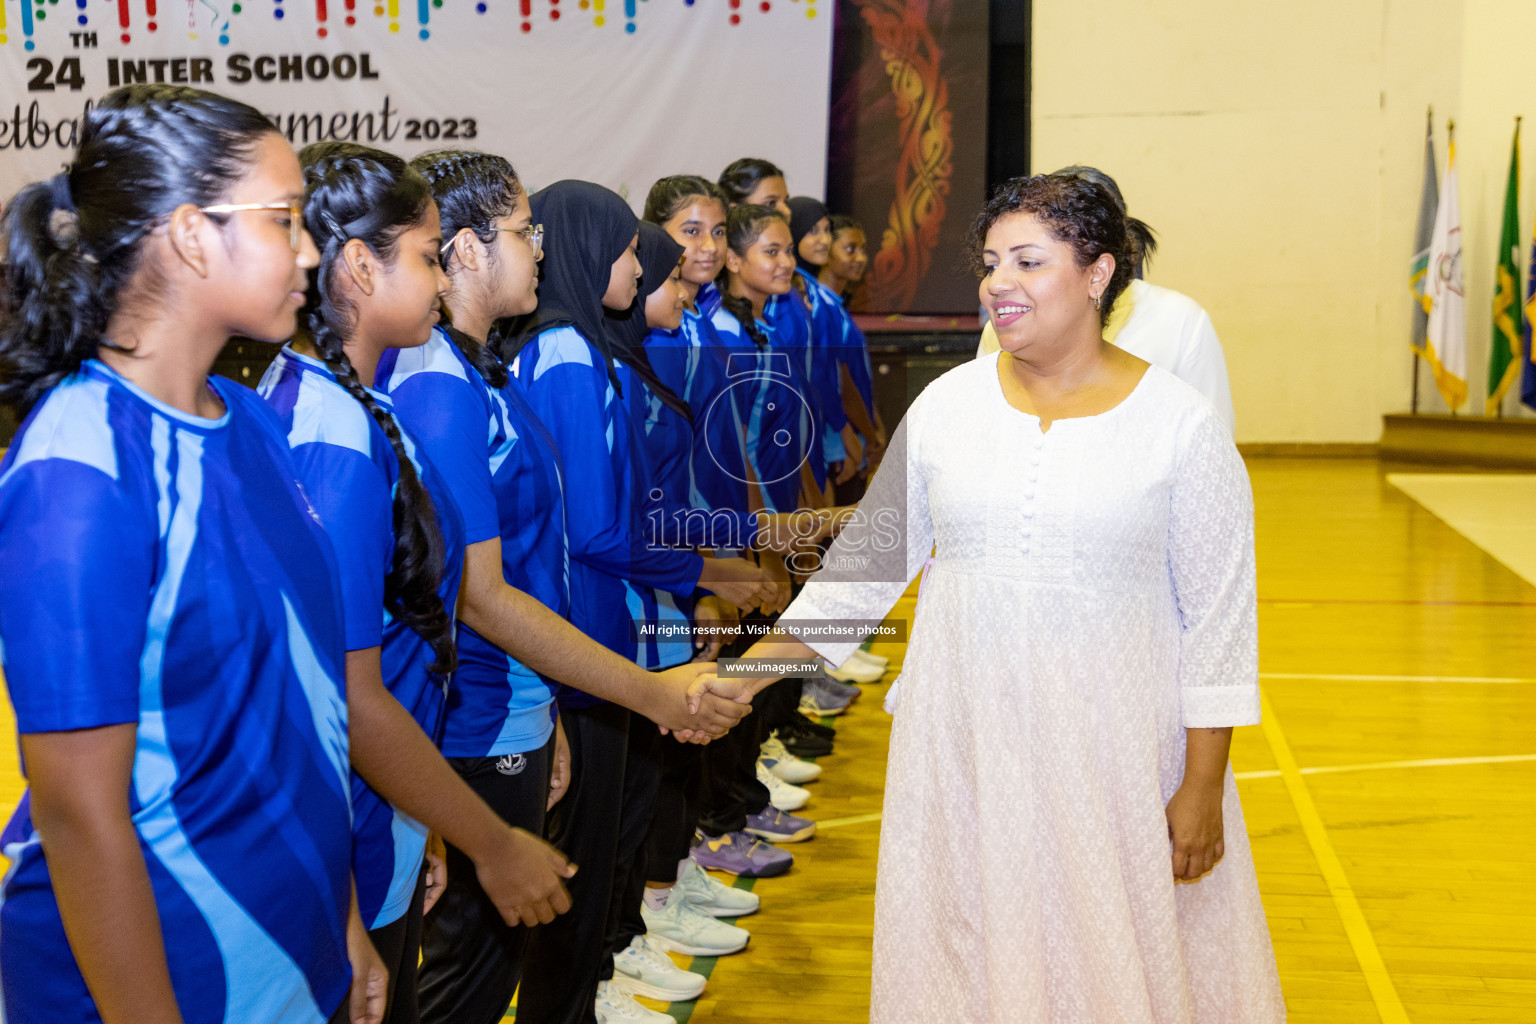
(1450, 142)
(1429, 133)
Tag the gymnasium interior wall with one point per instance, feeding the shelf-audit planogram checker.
(1278, 151)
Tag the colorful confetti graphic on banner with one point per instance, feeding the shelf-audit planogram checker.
(40, 17)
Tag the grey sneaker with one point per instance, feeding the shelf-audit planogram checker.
(643, 969)
(683, 928)
(714, 897)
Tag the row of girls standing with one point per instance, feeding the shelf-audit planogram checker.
(240, 611)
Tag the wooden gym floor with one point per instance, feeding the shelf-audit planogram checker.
(1390, 793)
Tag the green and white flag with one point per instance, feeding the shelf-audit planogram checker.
(1504, 353)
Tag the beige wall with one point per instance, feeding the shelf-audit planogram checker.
(1277, 148)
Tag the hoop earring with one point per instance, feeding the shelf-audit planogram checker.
(1097, 301)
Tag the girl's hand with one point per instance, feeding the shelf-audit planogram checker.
(437, 871)
(370, 978)
(560, 775)
(1195, 829)
(713, 619)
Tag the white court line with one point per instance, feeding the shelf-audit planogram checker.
(1396, 679)
(1423, 762)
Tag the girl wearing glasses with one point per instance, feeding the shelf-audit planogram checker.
(505, 473)
(183, 850)
(400, 544)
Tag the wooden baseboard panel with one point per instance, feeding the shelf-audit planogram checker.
(1305, 450)
(1460, 440)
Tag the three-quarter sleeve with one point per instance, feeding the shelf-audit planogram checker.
(1210, 556)
(874, 559)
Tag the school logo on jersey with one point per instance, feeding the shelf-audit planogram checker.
(511, 764)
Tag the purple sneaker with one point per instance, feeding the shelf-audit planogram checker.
(777, 826)
(741, 854)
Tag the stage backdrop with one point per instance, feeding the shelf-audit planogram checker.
(619, 92)
(909, 145)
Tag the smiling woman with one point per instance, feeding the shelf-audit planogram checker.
(1085, 642)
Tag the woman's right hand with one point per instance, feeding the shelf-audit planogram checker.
(735, 580)
(522, 874)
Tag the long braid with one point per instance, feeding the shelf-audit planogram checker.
(342, 202)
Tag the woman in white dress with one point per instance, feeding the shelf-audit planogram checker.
(1063, 840)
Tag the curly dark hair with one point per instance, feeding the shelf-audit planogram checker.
(1078, 212)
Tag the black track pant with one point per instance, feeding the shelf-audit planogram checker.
(471, 959)
(398, 944)
(642, 779)
(677, 809)
(566, 959)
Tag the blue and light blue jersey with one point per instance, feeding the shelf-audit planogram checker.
(824, 363)
(796, 333)
(165, 571)
(349, 471)
(693, 361)
(849, 345)
(566, 381)
(775, 403)
(504, 472)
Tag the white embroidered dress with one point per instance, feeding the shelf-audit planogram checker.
(1092, 595)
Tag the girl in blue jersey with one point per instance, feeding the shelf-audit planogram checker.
(846, 262)
(756, 182)
(400, 544)
(504, 472)
(563, 361)
(810, 230)
(170, 627)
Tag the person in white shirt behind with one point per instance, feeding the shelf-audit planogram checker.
(1166, 328)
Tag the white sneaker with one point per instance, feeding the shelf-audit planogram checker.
(855, 670)
(780, 793)
(879, 661)
(787, 766)
(642, 969)
(616, 1006)
(683, 928)
(712, 896)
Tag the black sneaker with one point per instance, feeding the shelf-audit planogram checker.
(799, 740)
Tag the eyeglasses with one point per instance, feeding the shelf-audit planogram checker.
(295, 208)
(533, 235)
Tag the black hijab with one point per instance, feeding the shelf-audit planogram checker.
(659, 256)
(804, 214)
(586, 228)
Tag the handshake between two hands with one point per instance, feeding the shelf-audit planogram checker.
(707, 706)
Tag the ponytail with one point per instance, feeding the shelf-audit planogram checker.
(72, 243)
(352, 191)
(1142, 243)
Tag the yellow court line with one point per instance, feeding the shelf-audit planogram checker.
(1373, 766)
(1388, 1006)
(857, 819)
(1334, 676)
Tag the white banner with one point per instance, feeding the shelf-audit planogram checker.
(620, 92)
